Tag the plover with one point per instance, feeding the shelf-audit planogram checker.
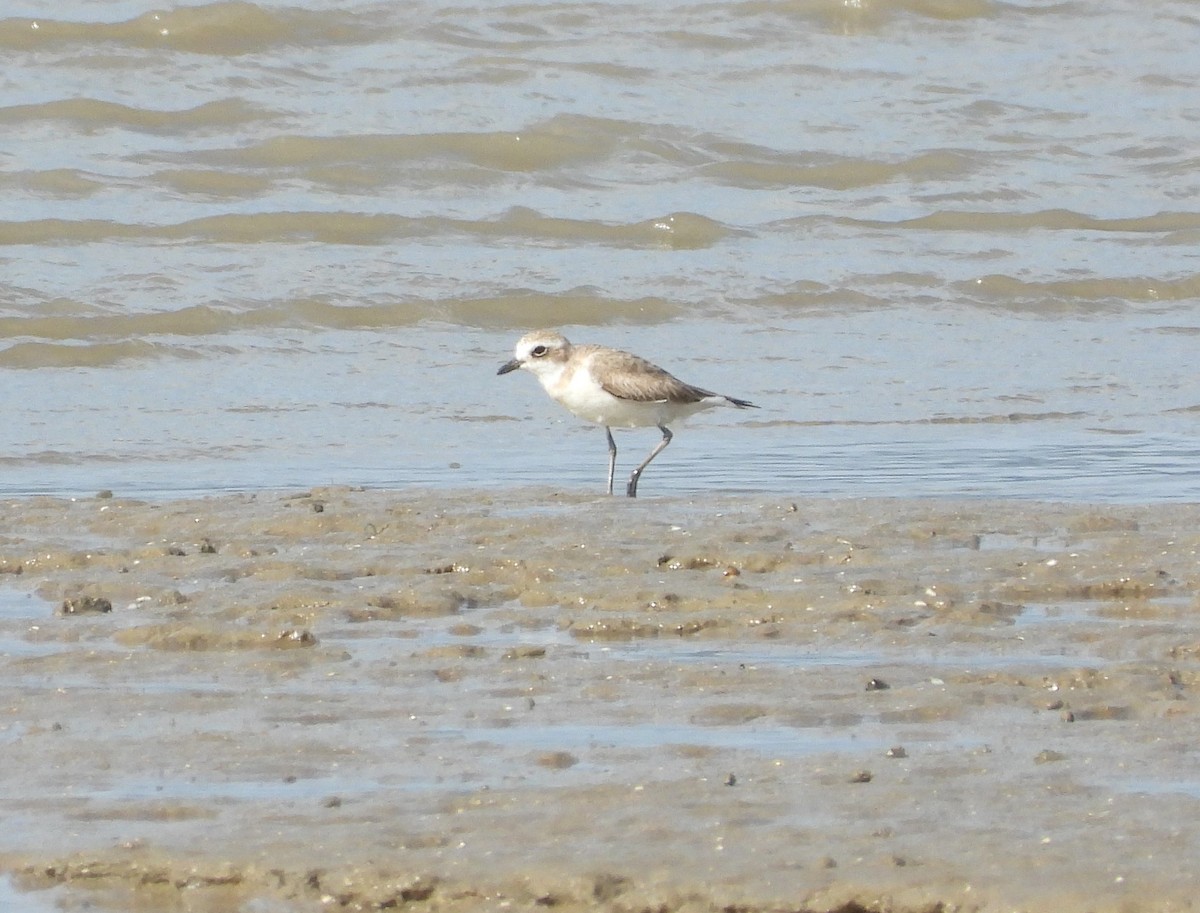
(612, 388)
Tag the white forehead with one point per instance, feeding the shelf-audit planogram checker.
(530, 341)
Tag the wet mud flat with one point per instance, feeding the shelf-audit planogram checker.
(348, 699)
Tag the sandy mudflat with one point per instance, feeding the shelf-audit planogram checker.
(533, 700)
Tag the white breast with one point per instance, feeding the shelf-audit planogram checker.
(579, 392)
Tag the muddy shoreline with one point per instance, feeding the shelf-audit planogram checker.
(534, 699)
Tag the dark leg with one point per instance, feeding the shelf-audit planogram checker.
(612, 457)
(637, 473)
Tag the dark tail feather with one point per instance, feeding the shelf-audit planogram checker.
(741, 403)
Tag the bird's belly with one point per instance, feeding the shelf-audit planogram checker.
(606, 409)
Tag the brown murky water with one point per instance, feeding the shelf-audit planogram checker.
(347, 699)
(949, 249)
(947, 245)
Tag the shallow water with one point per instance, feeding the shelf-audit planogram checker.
(12, 898)
(948, 248)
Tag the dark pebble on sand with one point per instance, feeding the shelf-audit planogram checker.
(84, 605)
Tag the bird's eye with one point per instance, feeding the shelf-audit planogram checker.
(538, 351)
